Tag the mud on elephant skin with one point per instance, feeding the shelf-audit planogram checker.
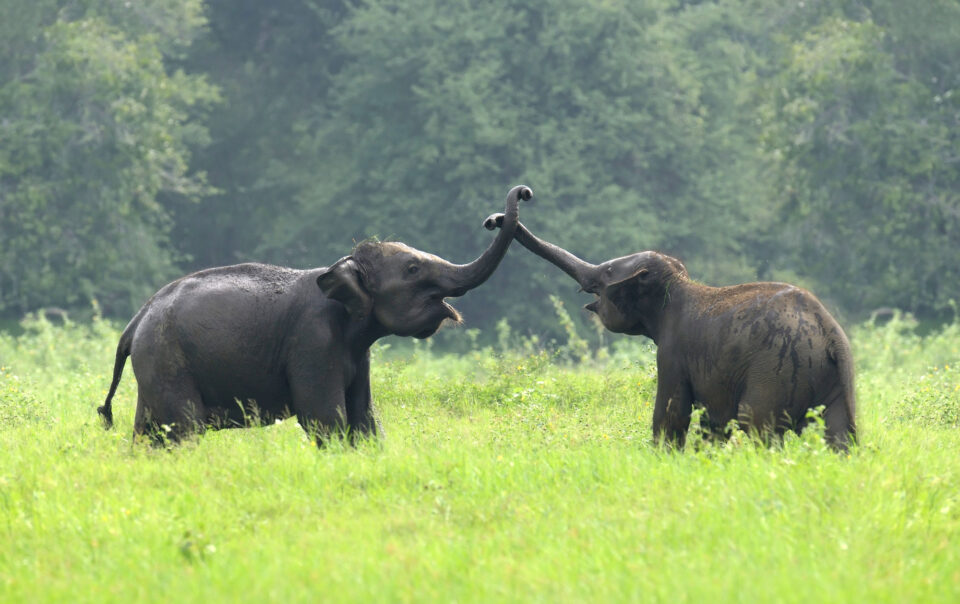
(252, 342)
(762, 354)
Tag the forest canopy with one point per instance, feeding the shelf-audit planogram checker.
(816, 142)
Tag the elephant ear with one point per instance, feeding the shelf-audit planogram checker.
(638, 277)
(342, 282)
(629, 292)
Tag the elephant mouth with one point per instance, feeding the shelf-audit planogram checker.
(446, 315)
(451, 313)
(593, 306)
(426, 333)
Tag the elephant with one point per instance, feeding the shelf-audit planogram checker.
(762, 354)
(254, 343)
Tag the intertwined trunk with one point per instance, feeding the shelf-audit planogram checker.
(464, 277)
(582, 272)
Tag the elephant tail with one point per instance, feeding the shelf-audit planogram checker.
(123, 351)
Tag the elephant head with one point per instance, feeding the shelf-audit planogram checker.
(403, 289)
(632, 291)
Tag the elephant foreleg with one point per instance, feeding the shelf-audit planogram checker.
(671, 412)
(319, 401)
(359, 403)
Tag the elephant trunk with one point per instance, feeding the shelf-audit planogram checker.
(582, 272)
(464, 277)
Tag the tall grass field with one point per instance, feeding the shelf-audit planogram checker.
(506, 474)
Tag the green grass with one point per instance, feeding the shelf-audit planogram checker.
(501, 478)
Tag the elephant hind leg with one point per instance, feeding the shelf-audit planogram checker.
(840, 426)
(168, 414)
(759, 412)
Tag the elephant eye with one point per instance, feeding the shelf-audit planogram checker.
(412, 269)
(643, 273)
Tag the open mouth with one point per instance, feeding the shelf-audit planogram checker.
(451, 313)
(593, 306)
(448, 316)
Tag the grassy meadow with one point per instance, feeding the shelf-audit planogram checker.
(506, 474)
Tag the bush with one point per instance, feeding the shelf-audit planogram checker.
(935, 401)
(18, 405)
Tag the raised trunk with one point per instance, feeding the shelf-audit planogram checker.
(464, 277)
(582, 272)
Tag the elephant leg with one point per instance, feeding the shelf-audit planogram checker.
(764, 409)
(671, 412)
(319, 402)
(168, 411)
(359, 404)
(840, 429)
(756, 417)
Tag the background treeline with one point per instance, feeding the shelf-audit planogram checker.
(816, 142)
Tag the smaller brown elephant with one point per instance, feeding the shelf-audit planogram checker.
(759, 353)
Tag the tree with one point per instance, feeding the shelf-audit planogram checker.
(862, 131)
(272, 62)
(436, 108)
(94, 130)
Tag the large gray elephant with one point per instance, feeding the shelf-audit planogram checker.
(759, 353)
(232, 345)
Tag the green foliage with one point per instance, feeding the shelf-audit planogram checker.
(43, 367)
(95, 128)
(576, 348)
(437, 108)
(17, 404)
(272, 62)
(862, 134)
(709, 130)
(810, 142)
(897, 344)
(501, 477)
(936, 399)
(918, 375)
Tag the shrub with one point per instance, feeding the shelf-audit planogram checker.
(935, 401)
(17, 405)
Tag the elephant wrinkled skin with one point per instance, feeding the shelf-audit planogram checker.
(762, 354)
(253, 343)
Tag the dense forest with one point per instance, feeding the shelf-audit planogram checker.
(812, 141)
